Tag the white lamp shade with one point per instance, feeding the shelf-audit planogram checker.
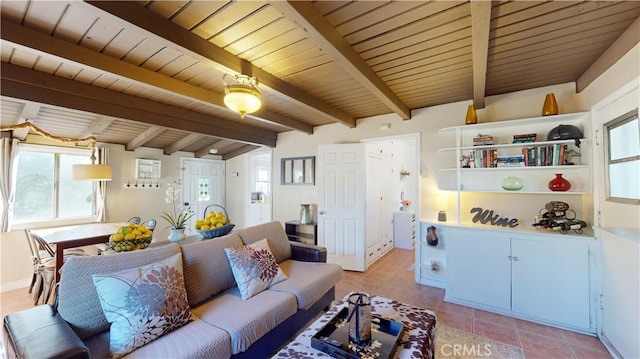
(92, 173)
(242, 99)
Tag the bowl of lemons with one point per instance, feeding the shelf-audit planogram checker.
(130, 238)
(214, 223)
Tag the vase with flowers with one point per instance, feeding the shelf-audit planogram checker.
(405, 203)
(179, 215)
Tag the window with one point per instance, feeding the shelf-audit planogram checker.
(45, 190)
(623, 156)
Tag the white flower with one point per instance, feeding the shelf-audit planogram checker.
(180, 216)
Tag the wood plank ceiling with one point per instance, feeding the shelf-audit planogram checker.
(149, 73)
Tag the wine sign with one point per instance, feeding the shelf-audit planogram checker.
(487, 216)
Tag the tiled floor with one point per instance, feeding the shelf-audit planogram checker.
(390, 277)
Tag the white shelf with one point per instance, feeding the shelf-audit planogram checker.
(516, 123)
(529, 168)
(536, 178)
(511, 145)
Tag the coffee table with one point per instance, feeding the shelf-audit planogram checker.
(418, 339)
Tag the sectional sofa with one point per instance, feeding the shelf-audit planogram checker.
(220, 325)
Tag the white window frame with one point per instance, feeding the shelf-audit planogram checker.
(619, 121)
(56, 221)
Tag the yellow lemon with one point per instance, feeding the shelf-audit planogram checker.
(219, 214)
(142, 228)
(119, 237)
(129, 236)
(132, 225)
(147, 234)
(213, 221)
(219, 225)
(136, 233)
(223, 220)
(204, 227)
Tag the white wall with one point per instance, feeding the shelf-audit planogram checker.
(613, 94)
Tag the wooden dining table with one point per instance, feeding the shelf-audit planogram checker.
(76, 236)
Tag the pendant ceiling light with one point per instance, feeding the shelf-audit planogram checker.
(242, 93)
(81, 172)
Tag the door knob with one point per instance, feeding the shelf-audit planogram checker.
(321, 212)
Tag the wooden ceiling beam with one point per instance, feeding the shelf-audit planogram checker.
(29, 112)
(99, 125)
(144, 137)
(239, 151)
(308, 19)
(182, 143)
(480, 26)
(34, 41)
(629, 38)
(37, 86)
(209, 53)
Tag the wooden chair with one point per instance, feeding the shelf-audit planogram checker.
(44, 266)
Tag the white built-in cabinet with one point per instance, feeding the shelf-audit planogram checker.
(404, 230)
(379, 229)
(547, 278)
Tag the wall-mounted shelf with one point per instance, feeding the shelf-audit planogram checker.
(482, 177)
(148, 169)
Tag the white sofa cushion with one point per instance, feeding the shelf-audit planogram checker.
(254, 268)
(195, 340)
(308, 281)
(206, 269)
(246, 320)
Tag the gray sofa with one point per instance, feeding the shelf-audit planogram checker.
(224, 325)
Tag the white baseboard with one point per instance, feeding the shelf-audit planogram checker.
(23, 283)
(610, 347)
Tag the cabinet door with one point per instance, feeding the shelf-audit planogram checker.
(551, 281)
(479, 267)
(374, 201)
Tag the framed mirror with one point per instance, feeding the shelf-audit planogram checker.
(298, 170)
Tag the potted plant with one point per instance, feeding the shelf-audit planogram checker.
(179, 215)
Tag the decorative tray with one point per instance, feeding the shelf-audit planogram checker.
(333, 338)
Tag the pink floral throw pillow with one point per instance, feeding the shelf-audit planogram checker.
(254, 268)
(143, 303)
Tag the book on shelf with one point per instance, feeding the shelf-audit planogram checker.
(484, 158)
(510, 161)
(551, 155)
(482, 140)
(527, 138)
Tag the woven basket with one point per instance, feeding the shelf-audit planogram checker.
(130, 245)
(218, 231)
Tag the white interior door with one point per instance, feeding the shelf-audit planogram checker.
(203, 184)
(341, 178)
(258, 208)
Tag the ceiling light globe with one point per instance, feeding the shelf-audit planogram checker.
(242, 99)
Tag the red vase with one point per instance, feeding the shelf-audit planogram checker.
(559, 183)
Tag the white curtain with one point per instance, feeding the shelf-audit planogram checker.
(101, 200)
(9, 171)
